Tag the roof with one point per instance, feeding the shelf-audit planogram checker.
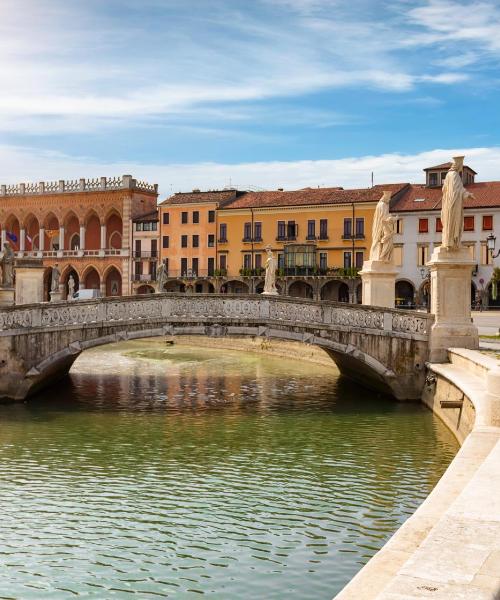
(196, 197)
(446, 166)
(311, 196)
(420, 197)
(150, 216)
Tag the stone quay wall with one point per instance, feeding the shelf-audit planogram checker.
(449, 549)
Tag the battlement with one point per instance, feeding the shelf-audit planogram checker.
(126, 182)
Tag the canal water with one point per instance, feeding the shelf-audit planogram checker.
(176, 472)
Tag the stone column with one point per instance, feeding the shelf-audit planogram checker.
(29, 280)
(22, 240)
(4, 236)
(61, 238)
(451, 272)
(41, 239)
(82, 237)
(379, 283)
(103, 237)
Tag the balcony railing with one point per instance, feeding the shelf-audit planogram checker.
(144, 277)
(145, 254)
(222, 240)
(356, 236)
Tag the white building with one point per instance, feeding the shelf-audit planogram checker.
(419, 231)
(145, 244)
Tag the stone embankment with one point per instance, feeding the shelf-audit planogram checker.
(450, 548)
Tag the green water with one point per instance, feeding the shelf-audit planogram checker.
(177, 472)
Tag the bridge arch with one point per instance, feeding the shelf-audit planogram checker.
(383, 348)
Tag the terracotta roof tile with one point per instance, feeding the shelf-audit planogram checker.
(219, 197)
(420, 197)
(311, 196)
(446, 165)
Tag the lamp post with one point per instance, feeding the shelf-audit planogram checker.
(491, 243)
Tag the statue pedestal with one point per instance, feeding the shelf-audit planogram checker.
(56, 296)
(451, 272)
(379, 283)
(275, 293)
(29, 280)
(7, 296)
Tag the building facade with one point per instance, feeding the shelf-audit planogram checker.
(82, 226)
(145, 252)
(419, 232)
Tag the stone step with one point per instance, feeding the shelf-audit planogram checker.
(472, 361)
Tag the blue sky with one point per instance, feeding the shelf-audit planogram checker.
(267, 93)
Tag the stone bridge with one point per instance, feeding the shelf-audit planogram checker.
(383, 348)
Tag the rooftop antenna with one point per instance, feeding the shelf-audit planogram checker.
(372, 178)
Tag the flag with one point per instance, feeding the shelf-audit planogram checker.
(12, 236)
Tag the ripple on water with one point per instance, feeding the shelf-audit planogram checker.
(179, 472)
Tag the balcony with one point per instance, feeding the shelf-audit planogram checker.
(323, 237)
(153, 254)
(222, 240)
(311, 238)
(72, 253)
(144, 277)
(247, 240)
(357, 236)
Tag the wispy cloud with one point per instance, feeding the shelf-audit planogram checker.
(29, 164)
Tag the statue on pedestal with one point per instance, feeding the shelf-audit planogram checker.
(270, 280)
(56, 276)
(71, 287)
(161, 277)
(452, 205)
(383, 231)
(7, 264)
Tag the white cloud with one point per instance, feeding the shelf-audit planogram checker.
(28, 164)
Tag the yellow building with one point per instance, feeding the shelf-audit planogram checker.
(320, 236)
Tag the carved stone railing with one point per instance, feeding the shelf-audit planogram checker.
(223, 307)
(77, 185)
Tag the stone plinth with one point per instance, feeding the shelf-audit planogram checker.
(7, 295)
(275, 293)
(379, 282)
(58, 295)
(29, 281)
(451, 272)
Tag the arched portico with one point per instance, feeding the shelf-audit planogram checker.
(300, 289)
(405, 293)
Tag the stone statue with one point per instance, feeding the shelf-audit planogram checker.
(270, 280)
(452, 205)
(383, 230)
(56, 276)
(71, 287)
(161, 277)
(7, 263)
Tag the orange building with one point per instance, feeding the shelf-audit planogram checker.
(83, 226)
(320, 236)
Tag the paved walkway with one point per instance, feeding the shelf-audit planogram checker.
(488, 322)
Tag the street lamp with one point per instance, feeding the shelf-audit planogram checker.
(424, 273)
(491, 242)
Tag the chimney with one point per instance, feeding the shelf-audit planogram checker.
(280, 189)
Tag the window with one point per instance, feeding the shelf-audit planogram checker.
(258, 261)
(347, 228)
(422, 255)
(347, 260)
(196, 216)
(360, 227)
(468, 223)
(211, 265)
(292, 230)
(423, 225)
(184, 241)
(194, 266)
(485, 255)
(138, 226)
(359, 260)
(184, 266)
(398, 256)
(152, 271)
(223, 262)
(281, 230)
(138, 268)
(211, 216)
(165, 241)
(154, 226)
(311, 230)
(323, 261)
(166, 218)
(211, 240)
(257, 228)
(138, 247)
(281, 260)
(247, 232)
(154, 248)
(247, 261)
(433, 178)
(323, 229)
(487, 222)
(184, 217)
(443, 177)
(223, 232)
(439, 224)
(399, 226)
(196, 241)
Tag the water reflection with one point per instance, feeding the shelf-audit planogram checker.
(174, 472)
